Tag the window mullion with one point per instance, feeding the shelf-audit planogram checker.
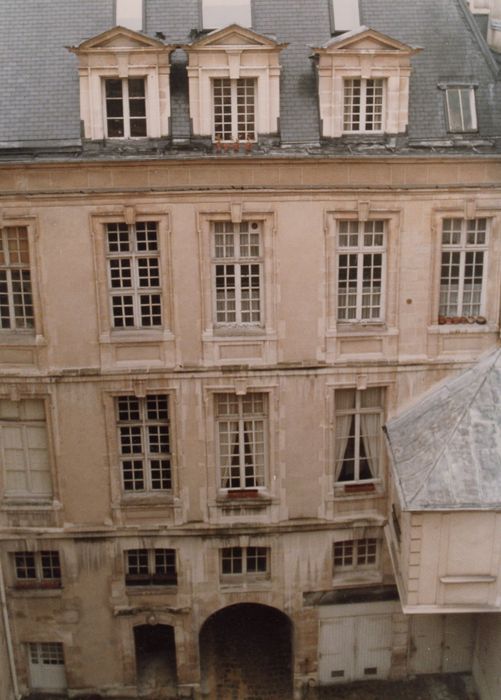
(27, 469)
(234, 110)
(360, 280)
(136, 301)
(462, 272)
(241, 443)
(145, 448)
(125, 105)
(363, 103)
(238, 292)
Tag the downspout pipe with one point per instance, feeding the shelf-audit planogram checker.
(8, 637)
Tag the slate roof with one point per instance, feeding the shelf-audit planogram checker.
(39, 81)
(446, 449)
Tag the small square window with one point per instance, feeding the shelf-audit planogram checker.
(150, 567)
(461, 109)
(37, 569)
(355, 554)
(245, 563)
(220, 13)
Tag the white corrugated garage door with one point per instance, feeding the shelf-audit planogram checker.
(442, 643)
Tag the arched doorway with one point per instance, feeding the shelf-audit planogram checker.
(246, 652)
(156, 661)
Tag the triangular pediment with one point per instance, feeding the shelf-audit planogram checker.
(365, 39)
(119, 38)
(234, 35)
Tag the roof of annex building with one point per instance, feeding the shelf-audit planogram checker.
(446, 449)
(40, 83)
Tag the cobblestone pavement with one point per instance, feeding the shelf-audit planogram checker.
(443, 687)
(440, 687)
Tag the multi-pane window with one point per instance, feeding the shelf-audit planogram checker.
(38, 569)
(234, 104)
(144, 439)
(360, 270)
(364, 104)
(238, 273)
(150, 567)
(24, 448)
(134, 274)
(46, 664)
(355, 554)
(125, 100)
(461, 108)
(463, 266)
(359, 417)
(241, 433)
(221, 13)
(250, 562)
(16, 303)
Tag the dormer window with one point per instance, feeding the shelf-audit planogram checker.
(461, 109)
(363, 104)
(234, 79)
(345, 15)
(218, 13)
(125, 107)
(363, 82)
(124, 85)
(129, 13)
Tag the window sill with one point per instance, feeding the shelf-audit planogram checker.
(244, 584)
(238, 332)
(360, 489)
(22, 338)
(251, 498)
(150, 590)
(13, 503)
(361, 328)
(149, 500)
(35, 592)
(462, 328)
(357, 577)
(138, 335)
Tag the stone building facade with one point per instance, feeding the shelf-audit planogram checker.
(231, 252)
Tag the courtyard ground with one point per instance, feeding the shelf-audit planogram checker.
(433, 687)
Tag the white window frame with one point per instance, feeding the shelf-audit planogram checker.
(228, 17)
(247, 86)
(20, 316)
(23, 425)
(346, 230)
(241, 265)
(40, 566)
(242, 479)
(152, 577)
(125, 107)
(364, 106)
(143, 472)
(132, 258)
(357, 411)
(461, 228)
(246, 572)
(466, 94)
(347, 553)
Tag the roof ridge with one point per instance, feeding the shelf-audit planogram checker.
(446, 443)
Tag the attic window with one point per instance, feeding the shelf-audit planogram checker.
(221, 13)
(461, 109)
(345, 15)
(129, 14)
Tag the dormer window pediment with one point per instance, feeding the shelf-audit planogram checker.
(124, 85)
(234, 78)
(364, 83)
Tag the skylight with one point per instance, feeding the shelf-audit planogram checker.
(221, 13)
(129, 14)
(346, 15)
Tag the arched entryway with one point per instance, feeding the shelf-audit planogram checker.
(156, 661)
(246, 652)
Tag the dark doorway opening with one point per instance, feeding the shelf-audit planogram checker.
(156, 660)
(246, 654)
